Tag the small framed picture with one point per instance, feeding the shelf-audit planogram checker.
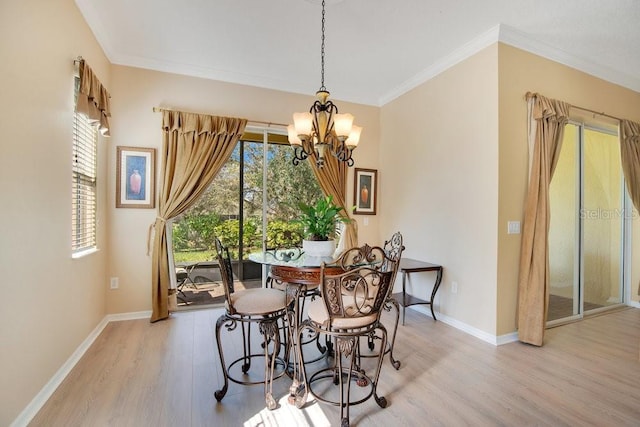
(365, 191)
(135, 177)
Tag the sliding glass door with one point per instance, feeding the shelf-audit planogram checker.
(587, 232)
(253, 198)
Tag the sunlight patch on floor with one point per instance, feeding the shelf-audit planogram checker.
(288, 415)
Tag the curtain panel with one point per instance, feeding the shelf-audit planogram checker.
(194, 149)
(332, 178)
(93, 99)
(630, 156)
(546, 120)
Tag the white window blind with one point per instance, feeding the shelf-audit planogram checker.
(84, 188)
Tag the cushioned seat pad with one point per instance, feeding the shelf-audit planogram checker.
(258, 301)
(318, 314)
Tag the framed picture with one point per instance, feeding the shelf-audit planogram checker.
(365, 191)
(135, 177)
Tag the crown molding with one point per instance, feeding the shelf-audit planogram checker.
(520, 40)
(511, 36)
(463, 52)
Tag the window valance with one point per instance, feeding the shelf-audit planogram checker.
(93, 99)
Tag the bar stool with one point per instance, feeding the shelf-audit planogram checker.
(349, 310)
(266, 308)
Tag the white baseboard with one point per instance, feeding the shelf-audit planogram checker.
(129, 316)
(484, 336)
(41, 398)
(507, 338)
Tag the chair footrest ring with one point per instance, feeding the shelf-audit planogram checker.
(328, 375)
(279, 370)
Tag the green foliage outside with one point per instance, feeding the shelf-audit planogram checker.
(229, 234)
(217, 211)
(195, 231)
(193, 256)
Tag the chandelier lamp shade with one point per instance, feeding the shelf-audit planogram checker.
(323, 130)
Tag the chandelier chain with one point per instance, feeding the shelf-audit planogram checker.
(322, 53)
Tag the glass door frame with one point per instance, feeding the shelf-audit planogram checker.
(626, 224)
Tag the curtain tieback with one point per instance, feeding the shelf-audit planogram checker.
(151, 231)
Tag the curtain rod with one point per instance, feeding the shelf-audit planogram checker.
(253, 122)
(596, 112)
(600, 113)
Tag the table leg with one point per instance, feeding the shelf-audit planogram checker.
(404, 295)
(436, 285)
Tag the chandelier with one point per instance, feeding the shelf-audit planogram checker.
(322, 130)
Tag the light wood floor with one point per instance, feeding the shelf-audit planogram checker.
(164, 374)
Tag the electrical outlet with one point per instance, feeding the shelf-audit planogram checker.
(114, 283)
(454, 287)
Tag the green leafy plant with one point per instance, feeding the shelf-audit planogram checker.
(319, 220)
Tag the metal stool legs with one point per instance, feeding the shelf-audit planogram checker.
(270, 331)
(389, 304)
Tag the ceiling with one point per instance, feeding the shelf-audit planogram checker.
(375, 49)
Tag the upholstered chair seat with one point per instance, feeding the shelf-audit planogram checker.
(318, 314)
(253, 302)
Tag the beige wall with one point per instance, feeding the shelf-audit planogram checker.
(439, 181)
(134, 94)
(454, 172)
(520, 72)
(51, 302)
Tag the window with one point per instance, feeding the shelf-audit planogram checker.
(84, 187)
(254, 197)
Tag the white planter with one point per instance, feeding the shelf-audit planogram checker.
(319, 248)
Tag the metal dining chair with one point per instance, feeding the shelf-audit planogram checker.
(264, 307)
(349, 310)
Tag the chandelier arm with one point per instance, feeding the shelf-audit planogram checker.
(342, 152)
(299, 155)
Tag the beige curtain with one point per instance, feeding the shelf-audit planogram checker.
(630, 155)
(332, 178)
(547, 119)
(194, 148)
(93, 99)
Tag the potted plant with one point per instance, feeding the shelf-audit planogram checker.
(319, 222)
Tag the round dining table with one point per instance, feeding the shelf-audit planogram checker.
(293, 266)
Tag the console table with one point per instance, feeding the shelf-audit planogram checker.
(408, 266)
